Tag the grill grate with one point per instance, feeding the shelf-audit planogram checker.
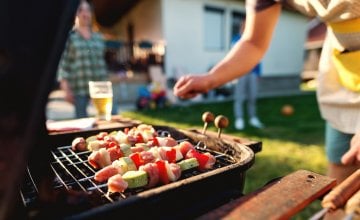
(29, 190)
(73, 172)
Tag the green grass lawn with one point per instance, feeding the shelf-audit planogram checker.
(290, 143)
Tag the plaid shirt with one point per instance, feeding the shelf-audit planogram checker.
(83, 61)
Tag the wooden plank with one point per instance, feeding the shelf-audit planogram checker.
(280, 199)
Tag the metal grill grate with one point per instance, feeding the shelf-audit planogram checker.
(73, 172)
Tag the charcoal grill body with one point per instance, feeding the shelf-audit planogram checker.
(186, 199)
(194, 194)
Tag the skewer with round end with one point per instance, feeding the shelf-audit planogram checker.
(207, 118)
(221, 122)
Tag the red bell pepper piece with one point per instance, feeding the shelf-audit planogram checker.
(139, 138)
(201, 158)
(171, 155)
(136, 158)
(163, 175)
(154, 141)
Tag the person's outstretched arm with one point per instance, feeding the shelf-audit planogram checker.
(245, 54)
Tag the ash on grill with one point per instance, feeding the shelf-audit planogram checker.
(74, 175)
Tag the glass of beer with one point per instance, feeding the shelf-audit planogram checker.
(101, 95)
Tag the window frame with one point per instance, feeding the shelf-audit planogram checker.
(222, 28)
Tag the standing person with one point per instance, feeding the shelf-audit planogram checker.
(338, 92)
(246, 88)
(82, 61)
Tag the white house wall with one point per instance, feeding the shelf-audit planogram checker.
(286, 53)
(183, 28)
(183, 25)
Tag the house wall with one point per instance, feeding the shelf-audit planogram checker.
(147, 20)
(179, 24)
(183, 25)
(286, 53)
(183, 28)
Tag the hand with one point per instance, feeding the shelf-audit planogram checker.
(352, 156)
(69, 97)
(190, 86)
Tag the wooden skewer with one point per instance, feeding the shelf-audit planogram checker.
(221, 122)
(339, 196)
(342, 192)
(207, 118)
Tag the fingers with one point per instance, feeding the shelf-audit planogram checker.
(350, 157)
(189, 95)
(184, 88)
(179, 84)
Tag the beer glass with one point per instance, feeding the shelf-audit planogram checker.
(101, 95)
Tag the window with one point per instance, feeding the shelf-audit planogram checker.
(238, 19)
(214, 29)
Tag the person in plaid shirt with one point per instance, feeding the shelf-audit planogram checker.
(82, 61)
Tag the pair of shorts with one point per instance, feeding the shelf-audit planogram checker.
(337, 144)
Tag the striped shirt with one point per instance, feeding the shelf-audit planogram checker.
(83, 61)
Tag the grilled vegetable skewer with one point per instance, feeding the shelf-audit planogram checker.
(113, 150)
(134, 161)
(137, 157)
(149, 175)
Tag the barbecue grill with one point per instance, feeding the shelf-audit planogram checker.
(192, 195)
(52, 180)
(30, 158)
